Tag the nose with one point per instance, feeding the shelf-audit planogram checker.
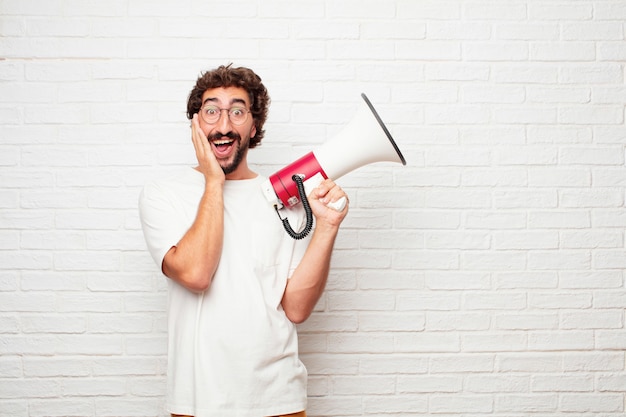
(224, 124)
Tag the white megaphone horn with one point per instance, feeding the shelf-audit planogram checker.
(363, 141)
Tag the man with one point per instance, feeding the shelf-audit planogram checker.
(237, 283)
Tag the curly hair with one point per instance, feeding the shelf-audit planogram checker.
(227, 76)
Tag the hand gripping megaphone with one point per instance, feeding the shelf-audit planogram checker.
(363, 141)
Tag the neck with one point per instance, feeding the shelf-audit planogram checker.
(235, 177)
(243, 172)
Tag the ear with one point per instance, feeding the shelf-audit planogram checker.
(253, 131)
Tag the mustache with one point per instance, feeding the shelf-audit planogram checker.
(229, 135)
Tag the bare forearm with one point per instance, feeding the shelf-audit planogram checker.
(306, 285)
(194, 259)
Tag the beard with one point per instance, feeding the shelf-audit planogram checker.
(229, 166)
(232, 166)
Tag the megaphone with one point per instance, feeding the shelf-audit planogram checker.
(364, 140)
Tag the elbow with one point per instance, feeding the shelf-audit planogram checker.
(298, 316)
(195, 276)
(194, 280)
(197, 285)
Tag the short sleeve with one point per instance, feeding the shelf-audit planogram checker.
(158, 221)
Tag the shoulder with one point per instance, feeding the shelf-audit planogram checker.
(177, 180)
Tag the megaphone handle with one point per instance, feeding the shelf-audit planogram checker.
(307, 209)
(338, 205)
(316, 180)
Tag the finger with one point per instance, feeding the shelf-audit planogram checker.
(324, 188)
(335, 197)
(194, 132)
(200, 142)
(198, 134)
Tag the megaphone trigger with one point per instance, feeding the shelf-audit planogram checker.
(338, 205)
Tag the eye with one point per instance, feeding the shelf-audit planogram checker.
(211, 111)
(237, 112)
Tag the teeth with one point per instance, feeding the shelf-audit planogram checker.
(222, 142)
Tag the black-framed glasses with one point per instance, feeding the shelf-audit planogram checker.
(237, 115)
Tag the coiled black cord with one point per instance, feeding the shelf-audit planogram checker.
(307, 209)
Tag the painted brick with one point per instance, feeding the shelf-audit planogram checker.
(483, 278)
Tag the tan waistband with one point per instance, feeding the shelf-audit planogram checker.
(300, 414)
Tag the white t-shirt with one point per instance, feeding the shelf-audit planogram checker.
(232, 350)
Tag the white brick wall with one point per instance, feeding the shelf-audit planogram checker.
(484, 278)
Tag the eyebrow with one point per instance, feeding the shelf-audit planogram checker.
(233, 101)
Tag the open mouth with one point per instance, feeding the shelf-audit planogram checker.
(222, 146)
